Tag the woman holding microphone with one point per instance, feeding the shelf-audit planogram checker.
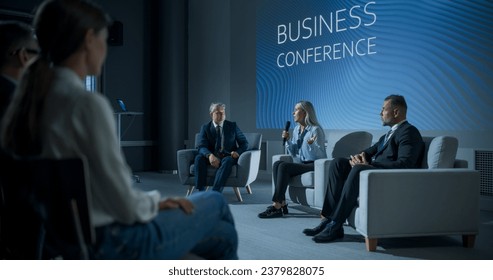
(306, 146)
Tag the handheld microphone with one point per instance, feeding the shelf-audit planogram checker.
(286, 128)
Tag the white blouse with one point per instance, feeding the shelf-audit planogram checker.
(78, 123)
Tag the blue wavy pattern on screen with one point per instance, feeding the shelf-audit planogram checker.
(438, 54)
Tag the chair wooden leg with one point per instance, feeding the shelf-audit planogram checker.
(248, 189)
(371, 244)
(190, 190)
(238, 194)
(468, 240)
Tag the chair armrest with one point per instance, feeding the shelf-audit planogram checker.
(407, 202)
(248, 166)
(185, 159)
(321, 179)
(245, 157)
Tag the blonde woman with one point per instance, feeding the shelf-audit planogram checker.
(306, 146)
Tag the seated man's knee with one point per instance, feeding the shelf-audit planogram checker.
(199, 158)
(339, 163)
(360, 167)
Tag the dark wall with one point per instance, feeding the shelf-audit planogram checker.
(127, 76)
(149, 71)
(170, 76)
(243, 64)
(222, 62)
(209, 59)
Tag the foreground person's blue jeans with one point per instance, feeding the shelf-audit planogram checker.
(208, 233)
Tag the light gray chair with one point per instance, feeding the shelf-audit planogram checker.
(440, 199)
(242, 174)
(309, 188)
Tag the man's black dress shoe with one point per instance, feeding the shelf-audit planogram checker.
(331, 232)
(272, 212)
(316, 230)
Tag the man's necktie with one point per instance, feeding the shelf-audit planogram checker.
(387, 136)
(218, 138)
(385, 139)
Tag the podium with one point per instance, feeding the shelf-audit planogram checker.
(119, 122)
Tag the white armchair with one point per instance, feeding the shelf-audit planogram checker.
(309, 188)
(440, 199)
(242, 174)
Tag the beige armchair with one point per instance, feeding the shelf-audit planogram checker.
(242, 174)
(440, 199)
(309, 188)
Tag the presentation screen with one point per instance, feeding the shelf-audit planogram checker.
(347, 56)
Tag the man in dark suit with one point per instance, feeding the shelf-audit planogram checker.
(221, 144)
(18, 47)
(401, 147)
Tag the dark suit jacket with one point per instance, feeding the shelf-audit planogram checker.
(7, 89)
(404, 149)
(234, 140)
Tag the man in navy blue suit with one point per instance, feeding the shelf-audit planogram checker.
(221, 144)
(401, 147)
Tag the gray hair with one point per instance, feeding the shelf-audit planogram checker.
(214, 105)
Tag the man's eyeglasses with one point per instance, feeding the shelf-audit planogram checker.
(28, 50)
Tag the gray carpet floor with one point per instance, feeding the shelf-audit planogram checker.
(282, 238)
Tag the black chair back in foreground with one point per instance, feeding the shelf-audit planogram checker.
(44, 209)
